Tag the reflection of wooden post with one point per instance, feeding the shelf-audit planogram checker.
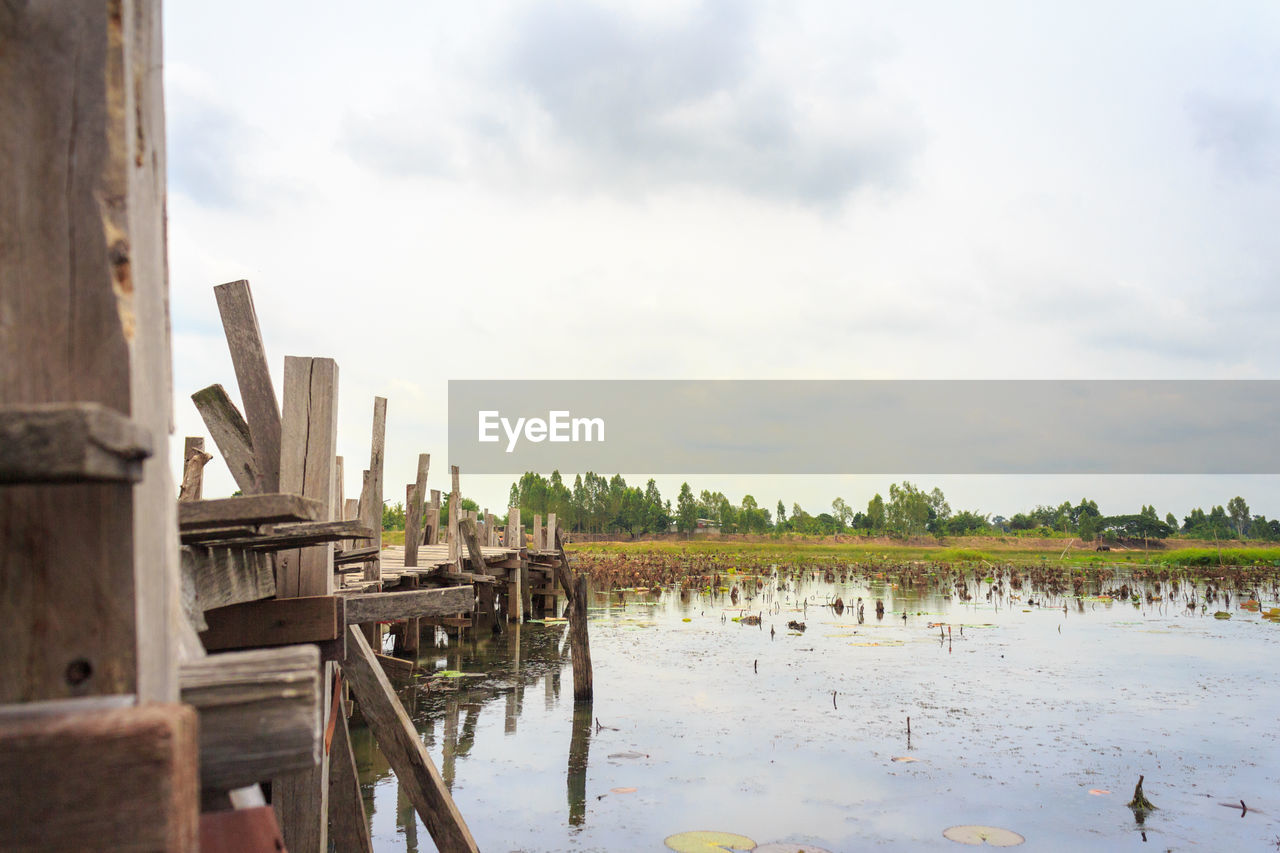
(576, 777)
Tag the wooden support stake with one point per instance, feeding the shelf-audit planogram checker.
(249, 357)
(371, 496)
(403, 748)
(414, 501)
(194, 460)
(514, 532)
(455, 510)
(433, 519)
(575, 591)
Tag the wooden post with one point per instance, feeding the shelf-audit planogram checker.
(551, 532)
(231, 435)
(433, 519)
(455, 508)
(257, 394)
(371, 495)
(537, 533)
(575, 590)
(308, 440)
(413, 512)
(309, 436)
(515, 532)
(412, 537)
(400, 743)
(84, 318)
(193, 461)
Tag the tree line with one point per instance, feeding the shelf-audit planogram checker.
(596, 504)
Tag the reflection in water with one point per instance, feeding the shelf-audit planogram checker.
(959, 657)
(579, 747)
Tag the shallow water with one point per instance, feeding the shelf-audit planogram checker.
(1018, 713)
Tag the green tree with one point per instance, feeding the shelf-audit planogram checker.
(393, 516)
(1239, 512)
(782, 513)
(1088, 527)
(877, 517)
(686, 510)
(909, 509)
(842, 512)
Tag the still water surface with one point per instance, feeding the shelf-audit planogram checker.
(1020, 713)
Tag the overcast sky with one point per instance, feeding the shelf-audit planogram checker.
(426, 191)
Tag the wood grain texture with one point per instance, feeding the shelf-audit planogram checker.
(223, 576)
(83, 306)
(193, 461)
(70, 443)
(371, 495)
(251, 830)
(403, 747)
(250, 510)
(249, 357)
(282, 536)
(392, 606)
(259, 713)
(575, 590)
(116, 779)
(432, 535)
(274, 622)
(455, 513)
(309, 438)
(416, 500)
(230, 433)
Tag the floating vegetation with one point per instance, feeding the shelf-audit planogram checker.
(977, 835)
(703, 841)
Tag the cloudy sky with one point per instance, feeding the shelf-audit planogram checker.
(435, 191)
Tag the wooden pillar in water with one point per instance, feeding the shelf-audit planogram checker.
(455, 509)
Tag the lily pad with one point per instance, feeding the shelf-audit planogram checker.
(702, 841)
(977, 835)
(453, 673)
(1222, 614)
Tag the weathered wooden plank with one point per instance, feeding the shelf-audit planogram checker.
(354, 555)
(249, 509)
(231, 434)
(302, 534)
(70, 443)
(249, 358)
(259, 713)
(397, 668)
(414, 510)
(550, 534)
(537, 533)
(515, 532)
(348, 822)
(223, 576)
(371, 495)
(392, 606)
(193, 461)
(308, 440)
(115, 779)
(274, 622)
(249, 830)
(403, 748)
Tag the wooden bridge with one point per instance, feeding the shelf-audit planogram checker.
(170, 664)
